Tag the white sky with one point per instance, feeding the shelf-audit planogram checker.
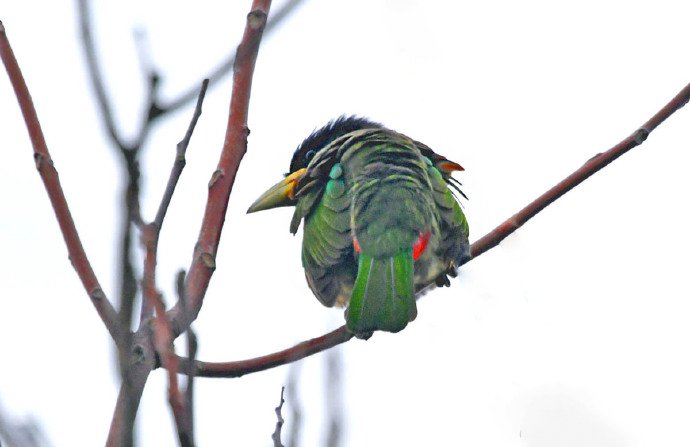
(573, 333)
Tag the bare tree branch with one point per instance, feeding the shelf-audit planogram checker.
(223, 179)
(592, 166)
(49, 175)
(297, 352)
(180, 160)
(279, 423)
(161, 329)
(485, 243)
(185, 311)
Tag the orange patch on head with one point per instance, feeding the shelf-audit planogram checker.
(449, 166)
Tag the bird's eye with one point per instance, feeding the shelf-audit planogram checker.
(309, 154)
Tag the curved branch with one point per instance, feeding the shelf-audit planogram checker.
(242, 367)
(482, 245)
(49, 175)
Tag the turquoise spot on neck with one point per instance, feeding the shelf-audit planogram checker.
(335, 188)
(336, 171)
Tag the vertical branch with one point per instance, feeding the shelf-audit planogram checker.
(280, 421)
(160, 326)
(222, 180)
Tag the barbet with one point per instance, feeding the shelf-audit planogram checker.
(381, 222)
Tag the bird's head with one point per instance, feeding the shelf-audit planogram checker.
(282, 193)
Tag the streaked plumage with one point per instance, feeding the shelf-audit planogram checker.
(380, 221)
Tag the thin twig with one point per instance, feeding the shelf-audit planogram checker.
(180, 160)
(162, 333)
(129, 151)
(192, 345)
(279, 423)
(49, 175)
(487, 242)
(191, 374)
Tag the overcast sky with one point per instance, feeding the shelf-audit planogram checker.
(574, 332)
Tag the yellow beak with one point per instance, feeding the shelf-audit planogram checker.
(280, 194)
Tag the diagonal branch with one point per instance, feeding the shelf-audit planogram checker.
(592, 166)
(180, 160)
(223, 179)
(49, 175)
(482, 245)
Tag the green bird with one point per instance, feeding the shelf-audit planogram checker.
(381, 223)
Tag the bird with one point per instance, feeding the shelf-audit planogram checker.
(382, 222)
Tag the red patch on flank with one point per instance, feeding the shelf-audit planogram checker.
(420, 245)
(356, 244)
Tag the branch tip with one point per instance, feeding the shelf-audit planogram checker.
(279, 423)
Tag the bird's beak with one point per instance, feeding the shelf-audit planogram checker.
(280, 194)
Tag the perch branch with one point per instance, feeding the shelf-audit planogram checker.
(297, 352)
(487, 242)
(51, 181)
(592, 166)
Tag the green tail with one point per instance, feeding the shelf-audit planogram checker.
(383, 296)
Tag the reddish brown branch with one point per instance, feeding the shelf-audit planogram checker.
(222, 180)
(161, 328)
(183, 313)
(297, 352)
(489, 241)
(592, 166)
(49, 175)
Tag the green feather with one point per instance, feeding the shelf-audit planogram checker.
(383, 297)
